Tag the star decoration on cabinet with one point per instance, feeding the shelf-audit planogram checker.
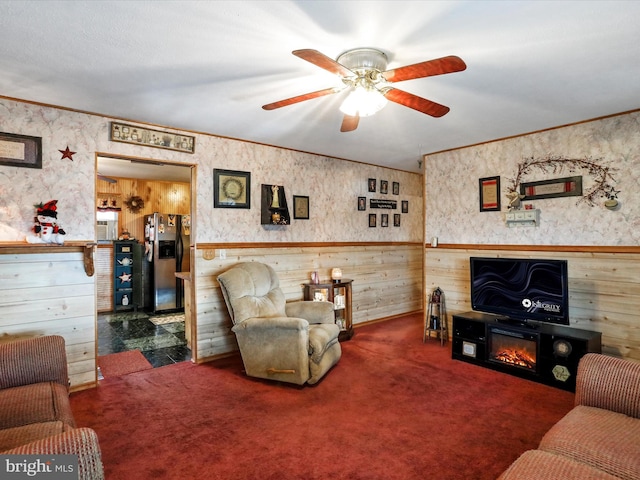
(125, 277)
(66, 153)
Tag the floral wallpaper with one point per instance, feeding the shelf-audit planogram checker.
(333, 186)
(452, 187)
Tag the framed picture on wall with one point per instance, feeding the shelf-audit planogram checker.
(301, 207)
(372, 184)
(362, 203)
(372, 220)
(559, 187)
(384, 220)
(396, 188)
(384, 186)
(231, 189)
(405, 206)
(122, 132)
(20, 150)
(489, 194)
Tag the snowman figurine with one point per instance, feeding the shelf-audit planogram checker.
(46, 228)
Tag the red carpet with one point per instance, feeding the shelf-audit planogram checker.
(393, 408)
(117, 364)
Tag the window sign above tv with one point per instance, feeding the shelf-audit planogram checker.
(521, 289)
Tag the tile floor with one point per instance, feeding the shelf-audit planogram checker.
(160, 344)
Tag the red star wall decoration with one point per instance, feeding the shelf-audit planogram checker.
(66, 153)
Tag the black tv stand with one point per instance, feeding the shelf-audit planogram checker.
(518, 323)
(558, 349)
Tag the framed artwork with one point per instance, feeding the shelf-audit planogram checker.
(20, 150)
(301, 207)
(122, 132)
(372, 184)
(362, 203)
(384, 186)
(396, 219)
(489, 194)
(384, 220)
(231, 189)
(405, 206)
(396, 188)
(372, 220)
(559, 187)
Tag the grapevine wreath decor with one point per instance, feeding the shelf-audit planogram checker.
(602, 175)
(134, 204)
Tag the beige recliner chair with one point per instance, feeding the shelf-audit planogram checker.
(294, 342)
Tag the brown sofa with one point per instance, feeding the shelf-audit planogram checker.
(35, 413)
(600, 437)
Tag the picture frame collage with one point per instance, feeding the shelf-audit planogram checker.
(384, 218)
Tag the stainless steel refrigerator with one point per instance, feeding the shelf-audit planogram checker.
(167, 250)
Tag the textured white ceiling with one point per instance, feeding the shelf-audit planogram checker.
(209, 66)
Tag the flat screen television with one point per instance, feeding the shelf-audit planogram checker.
(521, 289)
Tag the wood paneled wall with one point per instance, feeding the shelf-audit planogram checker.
(164, 197)
(49, 293)
(387, 281)
(104, 277)
(604, 289)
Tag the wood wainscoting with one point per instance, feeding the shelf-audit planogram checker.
(45, 290)
(604, 286)
(104, 277)
(387, 281)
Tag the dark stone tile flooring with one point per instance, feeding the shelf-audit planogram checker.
(160, 344)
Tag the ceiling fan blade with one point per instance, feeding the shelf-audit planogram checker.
(302, 98)
(322, 61)
(417, 103)
(106, 179)
(439, 66)
(349, 123)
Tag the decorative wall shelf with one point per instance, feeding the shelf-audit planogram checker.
(274, 210)
(523, 218)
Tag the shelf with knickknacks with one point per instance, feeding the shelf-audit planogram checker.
(338, 292)
(518, 217)
(436, 318)
(274, 209)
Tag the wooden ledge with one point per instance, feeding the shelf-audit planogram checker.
(23, 248)
(12, 248)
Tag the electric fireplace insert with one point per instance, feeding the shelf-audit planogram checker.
(513, 347)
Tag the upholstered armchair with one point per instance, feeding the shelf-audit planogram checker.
(294, 342)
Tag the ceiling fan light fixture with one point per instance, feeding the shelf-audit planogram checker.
(363, 102)
(363, 59)
(364, 72)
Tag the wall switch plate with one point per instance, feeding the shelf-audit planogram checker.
(223, 254)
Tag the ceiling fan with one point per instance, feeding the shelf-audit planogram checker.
(106, 179)
(363, 71)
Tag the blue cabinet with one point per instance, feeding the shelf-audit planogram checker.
(126, 275)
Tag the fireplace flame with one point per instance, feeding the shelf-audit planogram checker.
(519, 358)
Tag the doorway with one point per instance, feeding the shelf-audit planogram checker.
(133, 189)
